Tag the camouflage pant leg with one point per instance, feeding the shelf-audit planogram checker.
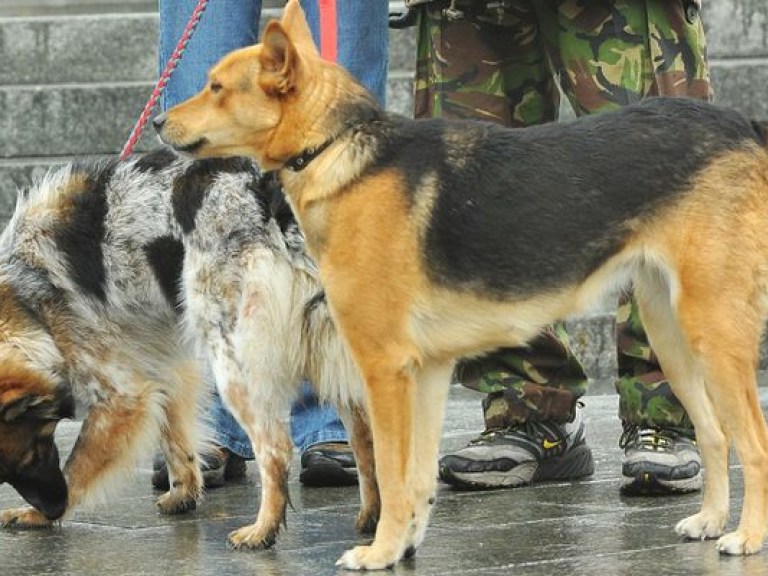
(541, 381)
(645, 397)
(481, 68)
(661, 51)
(605, 54)
(612, 53)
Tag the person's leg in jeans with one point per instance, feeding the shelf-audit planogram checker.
(227, 25)
(362, 47)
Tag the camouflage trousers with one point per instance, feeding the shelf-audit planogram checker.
(509, 61)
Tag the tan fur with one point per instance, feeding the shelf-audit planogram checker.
(703, 302)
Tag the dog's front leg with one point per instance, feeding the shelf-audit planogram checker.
(390, 389)
(431, 393)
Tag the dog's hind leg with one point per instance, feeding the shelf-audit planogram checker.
(356, 422)
(728, 344)
(685, 373)
(431, 393)
(721, 327)
(733, 388)
(178, 444)
(260, 416)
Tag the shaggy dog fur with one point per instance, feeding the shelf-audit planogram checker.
(103, 270)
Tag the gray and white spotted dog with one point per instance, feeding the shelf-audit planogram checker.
(118, 282)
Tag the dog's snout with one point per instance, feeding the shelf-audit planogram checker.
(159, 121)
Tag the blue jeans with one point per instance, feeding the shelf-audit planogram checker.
(363, 48)
(227, 25)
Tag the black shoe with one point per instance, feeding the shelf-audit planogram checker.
(659, 461)
(520, 455)
(328, 464)
(216, 467)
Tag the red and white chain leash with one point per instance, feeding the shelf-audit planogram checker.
(170, 66)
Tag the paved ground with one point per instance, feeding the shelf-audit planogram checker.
(578, 528)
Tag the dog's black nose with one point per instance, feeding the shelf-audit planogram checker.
(159, 121)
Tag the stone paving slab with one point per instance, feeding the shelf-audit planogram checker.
(568, 528)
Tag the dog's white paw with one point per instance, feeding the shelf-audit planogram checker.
(738, 543)
(701, 526)
(366, 558)
(24, 518)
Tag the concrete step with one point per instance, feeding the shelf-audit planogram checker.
(86, 48)
(71, 119)
(78, 49)
(736, 29)
(70, 7)
(740, 84)
(108, 48)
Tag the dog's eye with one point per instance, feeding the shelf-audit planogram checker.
(215, 87)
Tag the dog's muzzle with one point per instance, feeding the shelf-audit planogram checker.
(159, 123)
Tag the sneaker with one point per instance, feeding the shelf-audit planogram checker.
(328, 464)
(520, 455)
(216, 467)
(659, 461)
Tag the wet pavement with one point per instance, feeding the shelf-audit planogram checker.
(571, 528)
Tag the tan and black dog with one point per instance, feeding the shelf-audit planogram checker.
(440, 239)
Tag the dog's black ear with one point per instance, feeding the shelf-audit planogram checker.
(53, 406)
(279, 61)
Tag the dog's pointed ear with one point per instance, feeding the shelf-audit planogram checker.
(295, 25)
(54, 406)
(279, 61)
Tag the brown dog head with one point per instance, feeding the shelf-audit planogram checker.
(29, 459)
(269, 101)
(34, 397)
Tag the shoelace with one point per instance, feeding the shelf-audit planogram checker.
(651, 438)
(529, 428)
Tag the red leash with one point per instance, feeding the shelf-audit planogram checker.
(164, 77)
(328, 27)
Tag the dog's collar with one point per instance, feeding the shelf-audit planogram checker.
(299, 162)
